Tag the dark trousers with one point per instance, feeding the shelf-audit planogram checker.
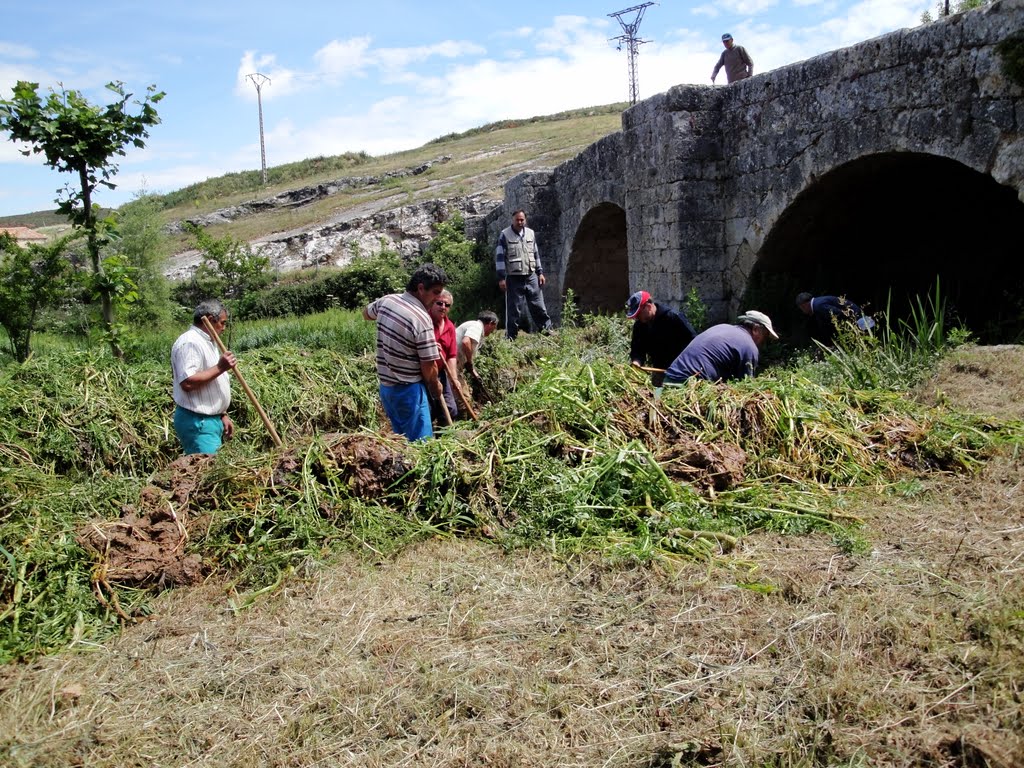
(520, 291)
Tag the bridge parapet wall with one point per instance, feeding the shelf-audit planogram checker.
(704, 173)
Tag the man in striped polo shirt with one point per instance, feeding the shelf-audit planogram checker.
(202, 385)
(407, 352)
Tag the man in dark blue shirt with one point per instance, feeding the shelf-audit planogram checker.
(659, 333)
(827, 312)
(724, 352)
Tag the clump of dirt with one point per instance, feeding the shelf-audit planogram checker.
(370, 466)
(146, 546)
(181, 477)
(704, 465)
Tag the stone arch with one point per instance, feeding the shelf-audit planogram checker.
(598, 266)
(885, 227)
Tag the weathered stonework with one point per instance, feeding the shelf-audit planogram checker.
(703, 174)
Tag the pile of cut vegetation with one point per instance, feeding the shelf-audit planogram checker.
(576, 452)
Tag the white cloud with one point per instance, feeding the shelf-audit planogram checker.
(748, 7)
(342, 58)
(868, 19)
(399, 58)
(11, 73)
(10, 153)
(735, 8)
(710, 10)
(17, 51)
(568, 33)
(167, 180)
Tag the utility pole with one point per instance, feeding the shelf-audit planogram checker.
(258, 80)
(632, 42)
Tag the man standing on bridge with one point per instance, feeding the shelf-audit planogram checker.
(737, 62)
(520, 276)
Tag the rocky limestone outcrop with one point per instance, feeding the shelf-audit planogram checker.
(364, 231)
(295, 198)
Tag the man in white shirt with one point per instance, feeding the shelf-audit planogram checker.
(202, 385)
(469, 336)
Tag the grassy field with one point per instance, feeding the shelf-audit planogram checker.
(834, 578)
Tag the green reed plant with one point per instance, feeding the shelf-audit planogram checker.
(899, 352)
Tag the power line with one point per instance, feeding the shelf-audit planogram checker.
(632, 42)
(259, 80)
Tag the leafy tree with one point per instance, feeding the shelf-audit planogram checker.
(140, 240)
(230, 269)
(82, 139)
(468, 265)
(31, 278)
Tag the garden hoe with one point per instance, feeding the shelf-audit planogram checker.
(249, 393)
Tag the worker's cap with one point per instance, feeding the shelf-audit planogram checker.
(803, 298)
(726, 36)
(636, 301)
(753, 316)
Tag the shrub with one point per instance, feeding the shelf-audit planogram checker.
(350, 287)
(468, 264)
(230, 270)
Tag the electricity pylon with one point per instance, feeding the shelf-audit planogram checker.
(258, 80)
(632, 42)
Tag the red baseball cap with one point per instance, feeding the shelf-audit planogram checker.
(636, 301)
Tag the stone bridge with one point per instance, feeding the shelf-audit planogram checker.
(872, 172)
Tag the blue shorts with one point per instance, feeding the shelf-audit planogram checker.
(408, 409)
(198, 432)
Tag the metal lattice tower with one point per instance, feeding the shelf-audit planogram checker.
(632, 42)
(259, 80)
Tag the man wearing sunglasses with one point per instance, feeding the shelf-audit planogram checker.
(444, 332)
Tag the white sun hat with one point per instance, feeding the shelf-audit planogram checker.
(753, 316)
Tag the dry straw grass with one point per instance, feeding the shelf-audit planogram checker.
(457, 654)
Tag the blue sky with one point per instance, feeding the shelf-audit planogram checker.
(378, 75)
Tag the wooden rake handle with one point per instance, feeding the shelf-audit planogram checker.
(464, 400)
(241, 380)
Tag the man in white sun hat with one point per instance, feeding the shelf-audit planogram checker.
(724, 351)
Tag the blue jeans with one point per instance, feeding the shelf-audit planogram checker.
(197, 432)
(408, 409)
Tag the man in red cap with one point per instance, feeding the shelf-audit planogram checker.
(659, 333)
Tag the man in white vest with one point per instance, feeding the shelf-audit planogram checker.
(520, 276)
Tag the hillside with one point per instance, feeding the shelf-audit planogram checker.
(478, 161)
